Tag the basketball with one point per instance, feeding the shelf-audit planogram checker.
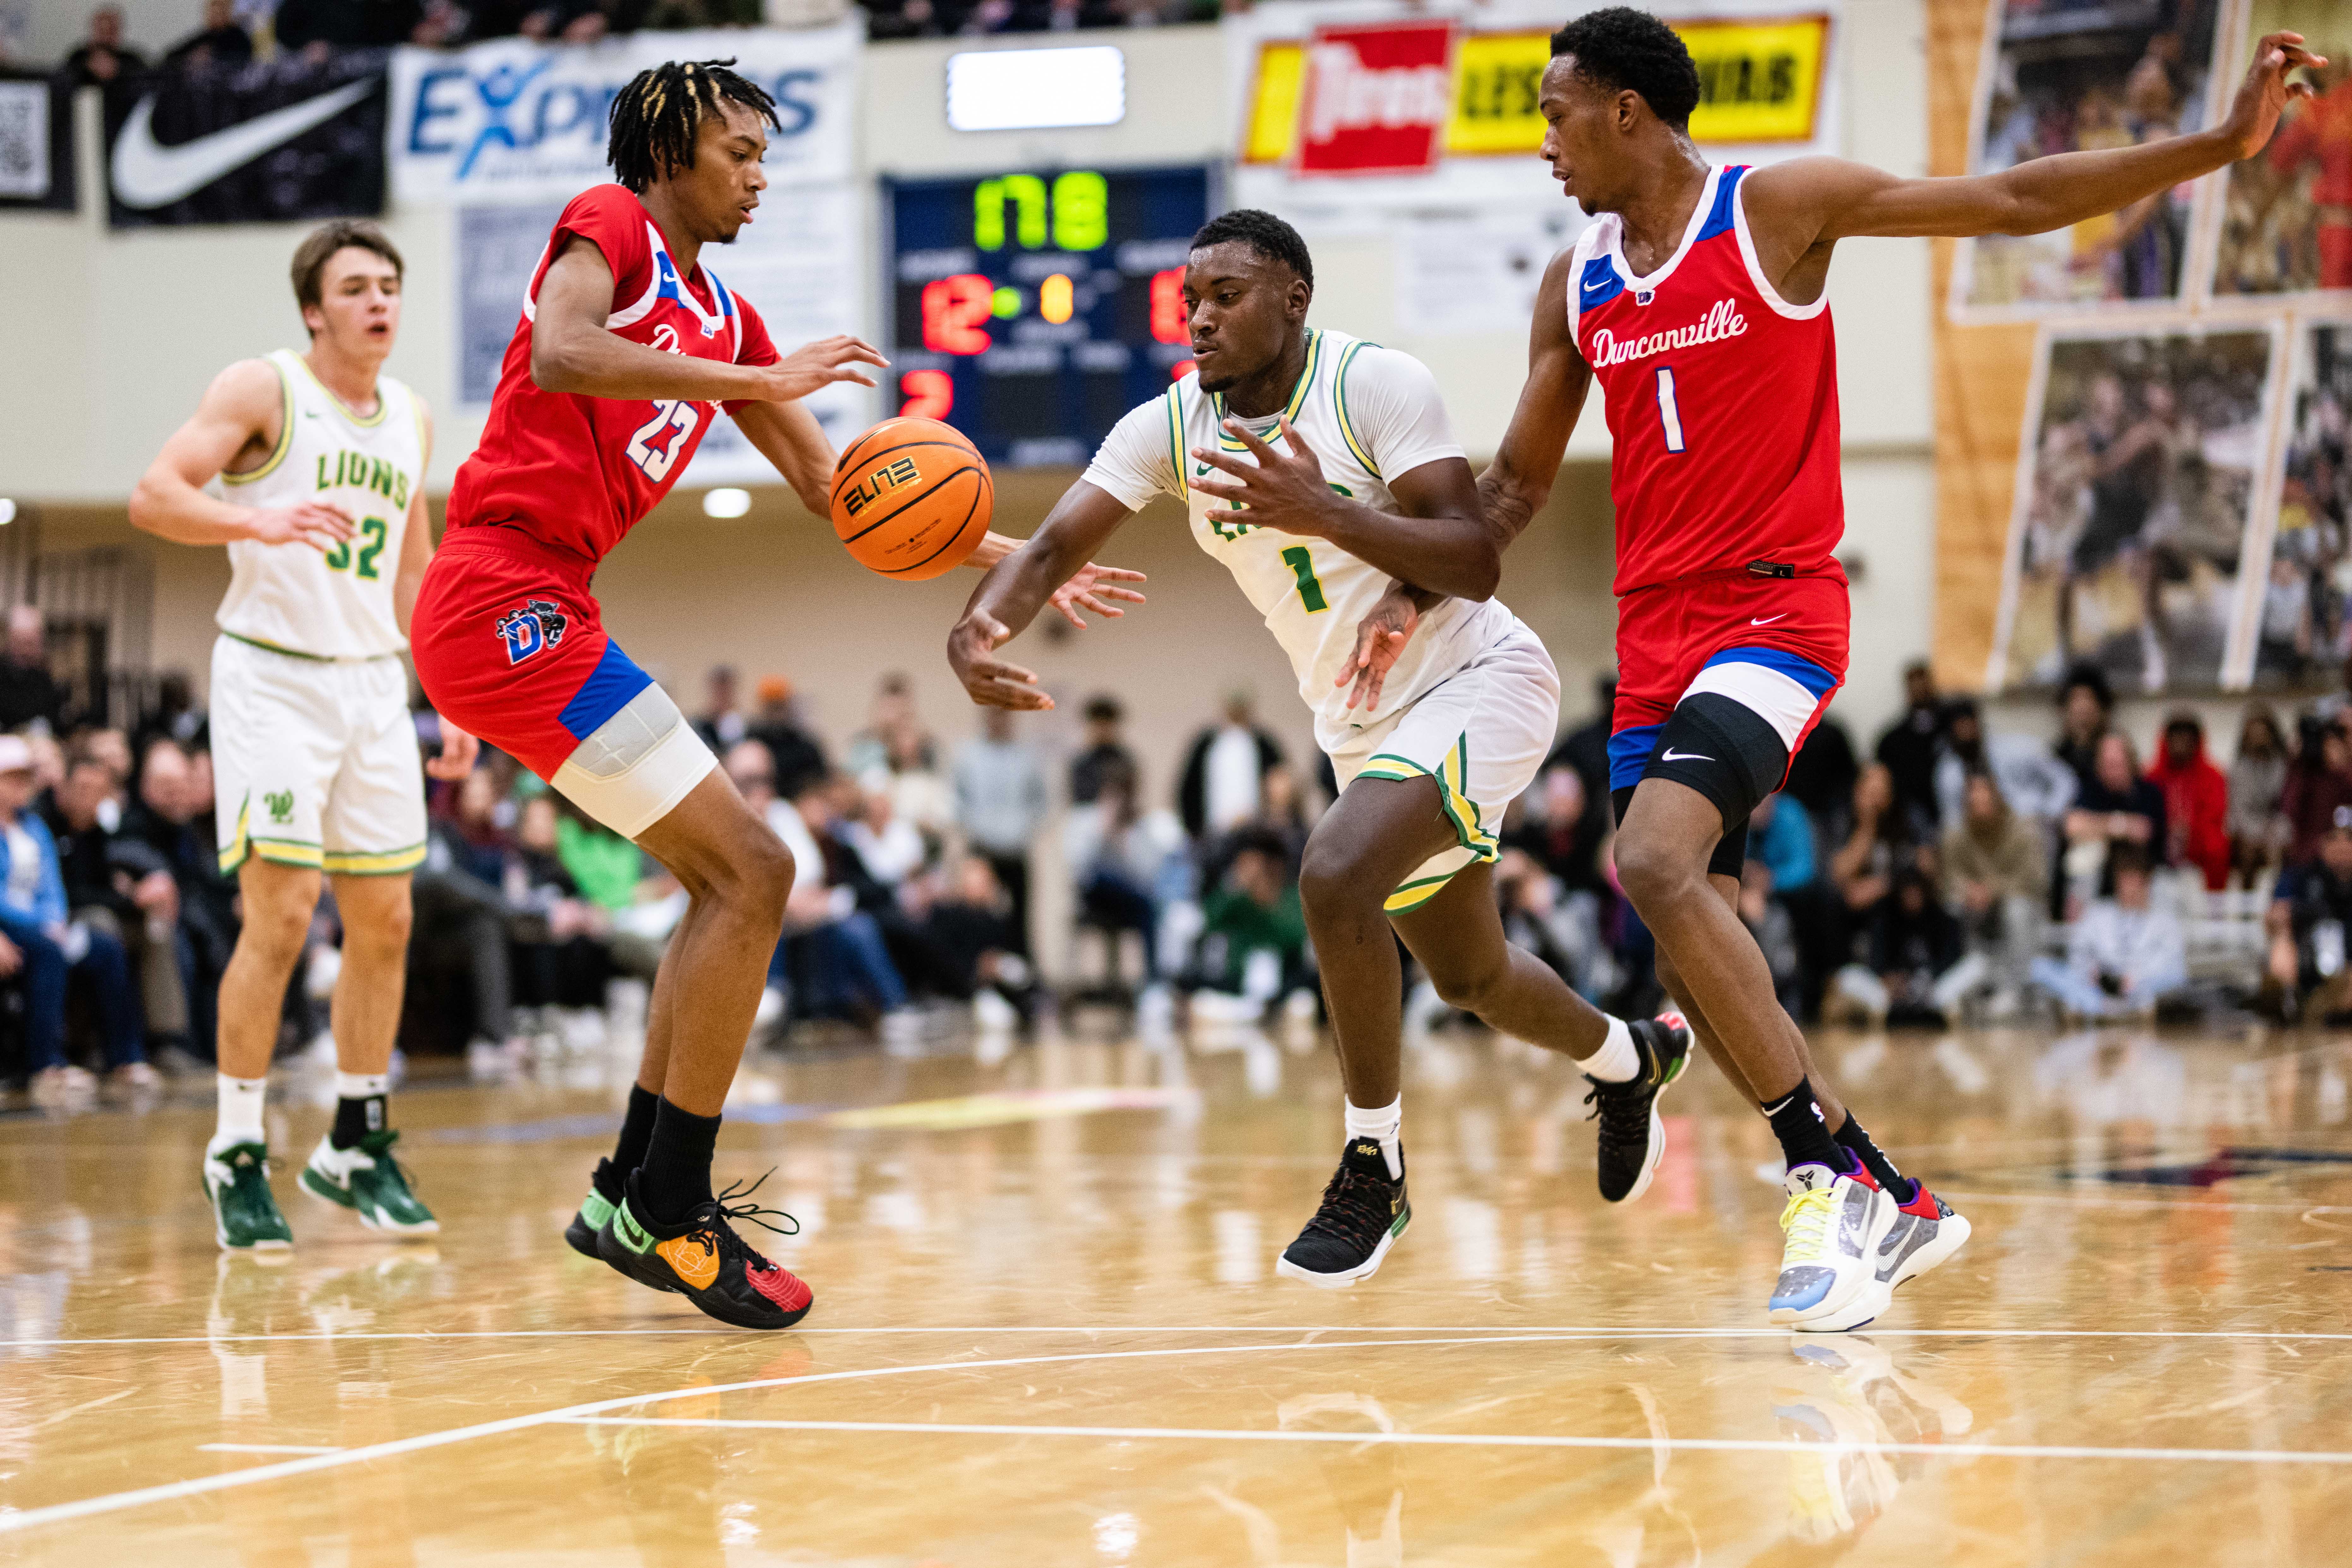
(911, 497)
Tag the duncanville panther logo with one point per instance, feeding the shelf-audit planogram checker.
(538, 625)
(281, 806)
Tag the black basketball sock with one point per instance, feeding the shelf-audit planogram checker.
(355, 1118)
(1797, 1122)
(1852, 1138)
(629, 1152)
(675, 1177)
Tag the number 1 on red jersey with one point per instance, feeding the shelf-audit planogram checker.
(1669, 416)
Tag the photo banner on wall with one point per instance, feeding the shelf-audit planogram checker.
(2283, 217)
(288, 139)
(518, 121)
(36, 146)
(2134, 542)
(1316, 73)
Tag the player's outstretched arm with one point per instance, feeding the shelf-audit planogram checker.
(572, 352)
(790, 437)
(244, 407)
(1018, 586)
(1807, 201)
(1519, 481)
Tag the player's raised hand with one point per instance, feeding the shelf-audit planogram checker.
(2263, 96)
(1381, 638)
(1088, 590)
(459, 750)
(987, 680)
(309, 522)
(821, 364)
(1285, 490)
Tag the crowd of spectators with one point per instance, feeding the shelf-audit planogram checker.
(229, 33)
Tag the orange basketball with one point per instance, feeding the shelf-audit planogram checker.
(911, 497)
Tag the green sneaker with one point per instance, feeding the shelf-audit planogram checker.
(245, 1213)
(368, 1181)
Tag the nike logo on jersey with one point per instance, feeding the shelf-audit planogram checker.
(149, 174)
(1766, 620)
(1722, 321)
(1671, 756)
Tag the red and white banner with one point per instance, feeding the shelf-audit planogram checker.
(1376, 100)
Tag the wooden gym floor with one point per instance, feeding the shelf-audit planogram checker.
(1048, 1331)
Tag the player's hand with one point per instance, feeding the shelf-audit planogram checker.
(458, 751)
(1086, 590)
(987, 680)
(1381, 637)
(1285, 490)
(819, 364)
(2263, 96)
(309, 522)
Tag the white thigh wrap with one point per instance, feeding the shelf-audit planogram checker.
(638, 766)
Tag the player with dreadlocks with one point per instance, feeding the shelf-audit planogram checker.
(627, 348)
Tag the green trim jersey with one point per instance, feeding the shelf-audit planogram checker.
(1368, 413)
(336, 603)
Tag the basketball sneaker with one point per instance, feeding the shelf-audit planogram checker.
(595, 1210)
(705, 1261)
(1633, 1139)
(244, 1212)
(1926, 1232)
(366, 1178)
(1829, 1270)
(1362, 1214)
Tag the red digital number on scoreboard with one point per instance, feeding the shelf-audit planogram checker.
(928, 393)
(1170, 322)
(954, 311)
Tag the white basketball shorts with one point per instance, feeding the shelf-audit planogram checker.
(1482, 734)
(314, 762)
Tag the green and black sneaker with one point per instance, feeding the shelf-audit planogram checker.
(245, 1213)
(596, 1211)
(1364, 1211)
(1633, 1137)
(369, 1182)
(705, 1261)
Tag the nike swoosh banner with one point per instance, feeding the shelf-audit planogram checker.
(268, 144)
(514, 120)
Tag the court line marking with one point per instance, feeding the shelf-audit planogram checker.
(267, 1449)
(1496, 1440)
(1567, 1331)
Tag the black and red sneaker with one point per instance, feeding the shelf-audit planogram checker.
(705, 1261)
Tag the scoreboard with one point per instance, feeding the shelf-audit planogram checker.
(1030, 310)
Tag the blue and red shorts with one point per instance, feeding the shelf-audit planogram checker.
(511, 644)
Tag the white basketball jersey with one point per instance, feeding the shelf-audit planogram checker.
(1367, 412)
(336, 605)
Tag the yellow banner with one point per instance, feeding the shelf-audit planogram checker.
(1759, 82)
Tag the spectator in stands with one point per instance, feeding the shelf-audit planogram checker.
(121, 887)
(777, 727)
(886, 845)
(2084, 702)
(557, 937)
(220, 45)
(1996, 871)
(1119, 856)
(968, 924)
(893, 733)
(104, 56)
(1877, 848)
(1907, 750)
(2258, 824)
(2118, 806)
(173, 816)
(2310, 912)
(1556, 828)
(1821, 778)
(2122, 955)
(1586, 748)
(904, 19)
(29, 694)
(174, 716)
(1105, 748)
(2036, 784)
(1254, 945)
(723, 722)
(1564, 927)
(1768, 921)
(319, 27)
(1224, 773)
(2318, 781)
(679, 14)
(458, 940)
(2196, 801)
(832, 950)
(1913, 943)
(1000, 801)
(37, 940)
(1780, 839)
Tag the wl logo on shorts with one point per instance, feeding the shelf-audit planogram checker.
(281, 806)
(538, 625)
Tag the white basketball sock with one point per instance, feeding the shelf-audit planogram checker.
(1616, 1061)
(239, 1121)
(1385, 1126)
(361, 1085)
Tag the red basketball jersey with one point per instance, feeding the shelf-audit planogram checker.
(577, 473)
(1721, 398)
